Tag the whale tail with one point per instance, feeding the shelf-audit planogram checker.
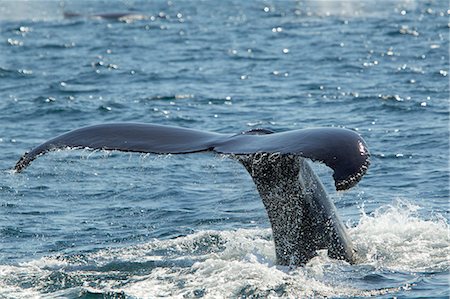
(302, 217)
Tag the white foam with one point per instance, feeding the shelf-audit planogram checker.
(395, 237)
(242, 262)
(11, 276)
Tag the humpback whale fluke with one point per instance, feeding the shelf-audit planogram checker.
(302, 217)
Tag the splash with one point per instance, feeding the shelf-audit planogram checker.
(350, 8)
(336, 8)
(395, 237)
(241, 263)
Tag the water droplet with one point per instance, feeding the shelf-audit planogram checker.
(285, 50)
(398, 98)
(277, 29)
(24, 29)
(50, 99)
(25, 72)
(14, 42)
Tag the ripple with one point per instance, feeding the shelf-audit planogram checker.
(15, 74)
(65, 87)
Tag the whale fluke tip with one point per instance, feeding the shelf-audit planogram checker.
(22, 163)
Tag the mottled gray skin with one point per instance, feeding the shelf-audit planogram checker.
(303, 218)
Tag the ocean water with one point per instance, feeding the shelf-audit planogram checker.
(81, 224)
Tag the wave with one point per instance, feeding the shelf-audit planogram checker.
(394, 246)
(396, 238)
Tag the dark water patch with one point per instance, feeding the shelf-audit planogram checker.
(138, 268)
(15, 74)
(59, 280)
(7, 189)
(70, 112)
(90, 294)
(69, 23)
(388, 281)
(9, 205)
(10, 231)
(111, 106)
(436, 283)
(251, 291)
(168, 97)
(212, 221)
(6, 72)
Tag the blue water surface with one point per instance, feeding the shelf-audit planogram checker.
(81, 224)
